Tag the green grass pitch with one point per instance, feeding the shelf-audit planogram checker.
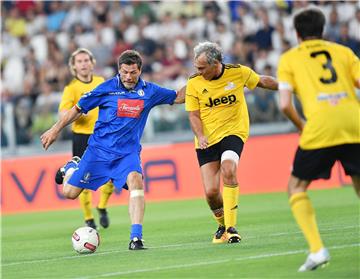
(178, 235)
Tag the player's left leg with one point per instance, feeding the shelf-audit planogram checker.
(230, 194)
(105, 192)
(136, 209)
(231, 148)
(350, 160)
(356, 183)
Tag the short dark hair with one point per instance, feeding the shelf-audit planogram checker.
(309, 23)
(130, 57)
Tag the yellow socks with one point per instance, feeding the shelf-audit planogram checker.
(85, 199)
(230, 199)
(106, 191)
(218, 215)
(305, 217)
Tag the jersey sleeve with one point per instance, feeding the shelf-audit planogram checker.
(191, 99)
(163, 95)
(285, 75)
(90, 101)
(67, 99)
(251, 78)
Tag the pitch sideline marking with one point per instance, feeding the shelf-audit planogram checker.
(161, 268)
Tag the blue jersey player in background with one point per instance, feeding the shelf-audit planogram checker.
(114, 148)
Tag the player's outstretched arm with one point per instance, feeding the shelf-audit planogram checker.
(180, 98)
(52, 134)
(268, 82)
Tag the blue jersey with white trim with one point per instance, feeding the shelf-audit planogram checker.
(122, 113)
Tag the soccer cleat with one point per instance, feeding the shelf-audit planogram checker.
(59, 177)
(136, 244)
(315, 260)
(90, 223)
(220, 235)
(104, 218)
(232, 235)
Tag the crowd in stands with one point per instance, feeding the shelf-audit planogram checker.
(38, 37)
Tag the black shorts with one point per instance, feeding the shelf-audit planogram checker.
(214, 152)
(317, 163)
(79, 144)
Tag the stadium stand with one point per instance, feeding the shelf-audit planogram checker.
(38, 37)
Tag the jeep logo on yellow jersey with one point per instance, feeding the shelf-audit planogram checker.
(223, 100)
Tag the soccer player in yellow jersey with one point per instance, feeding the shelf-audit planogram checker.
(323, 75)
(81, 64)
(219, 118)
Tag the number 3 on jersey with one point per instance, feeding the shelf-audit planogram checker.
(327, 66)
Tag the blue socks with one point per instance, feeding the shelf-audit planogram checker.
(136, 231)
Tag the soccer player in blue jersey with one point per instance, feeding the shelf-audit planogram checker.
(113, 151)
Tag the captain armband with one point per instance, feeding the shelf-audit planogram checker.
(285, 86)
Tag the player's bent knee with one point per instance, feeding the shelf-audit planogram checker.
(212, 193)
(135, 181)
(71, 192)
(297, 185)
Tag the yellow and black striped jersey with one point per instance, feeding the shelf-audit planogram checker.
(221, 102)
(71, 95)
(323, 74)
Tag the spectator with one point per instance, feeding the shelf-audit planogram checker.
(263, 35)
(332, 30)
(37, 55)
(23, 121)
(264, 108)
(354, 26)
(346, 40)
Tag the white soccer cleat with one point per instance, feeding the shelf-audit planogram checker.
(314, 260)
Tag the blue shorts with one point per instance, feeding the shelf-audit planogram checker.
(98, 167)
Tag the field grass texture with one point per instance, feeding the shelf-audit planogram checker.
(178, 235)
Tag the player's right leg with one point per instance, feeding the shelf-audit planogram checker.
(304, 215)
(210, 173)
(71, 164)
(64, 174)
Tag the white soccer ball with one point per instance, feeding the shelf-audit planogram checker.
(85, 240)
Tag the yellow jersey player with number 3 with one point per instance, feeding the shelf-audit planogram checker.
(323, 75)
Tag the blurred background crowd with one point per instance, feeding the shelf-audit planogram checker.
(37, 38)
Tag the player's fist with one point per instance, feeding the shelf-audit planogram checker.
(48, 137)
(203, 142)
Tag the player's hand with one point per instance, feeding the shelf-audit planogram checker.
(48, 138)
(203, 142)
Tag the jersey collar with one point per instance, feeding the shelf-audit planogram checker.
(222, 72)
(311, 42)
